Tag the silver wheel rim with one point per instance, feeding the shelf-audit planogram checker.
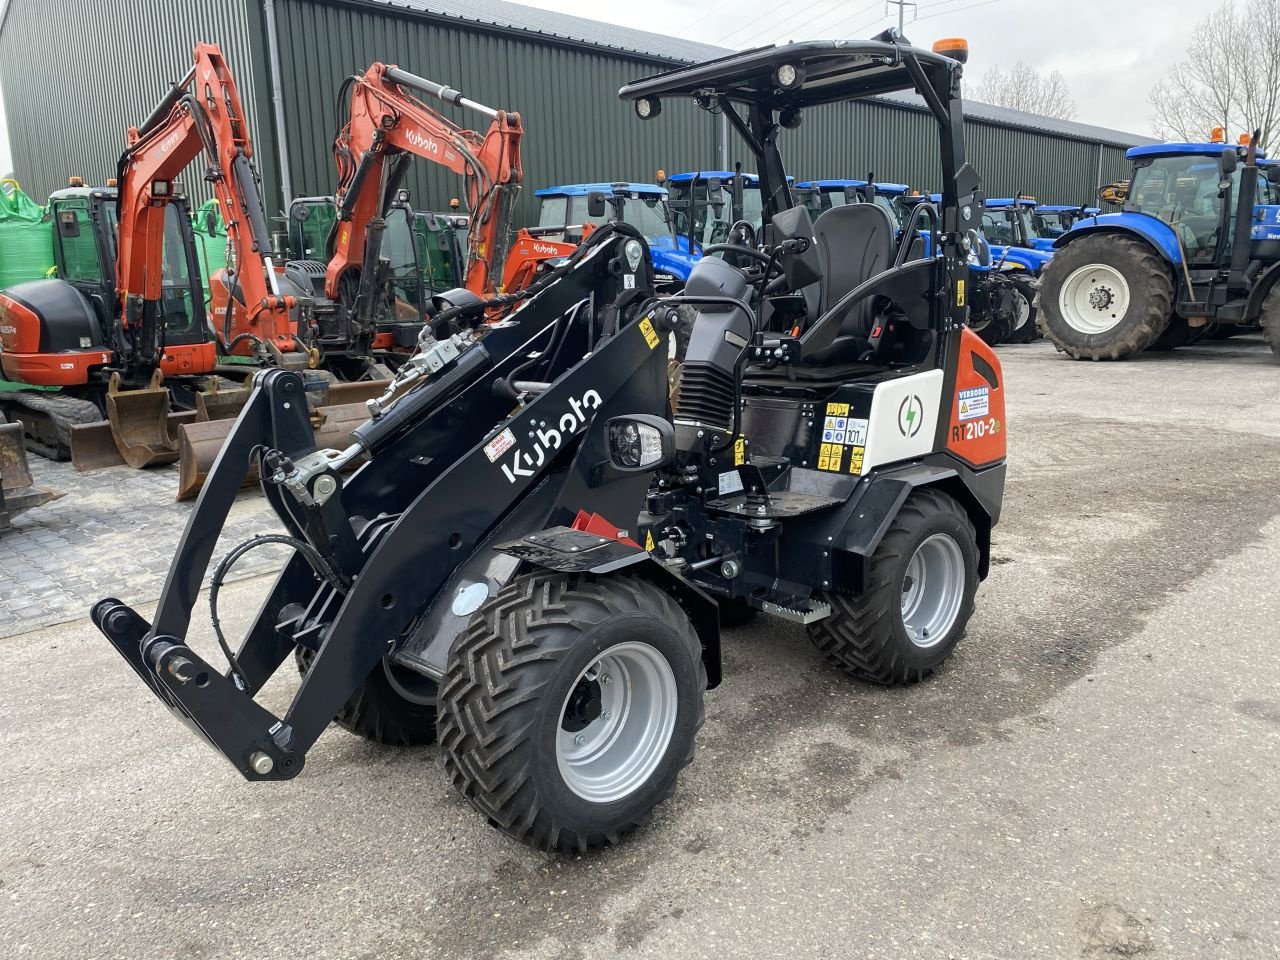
(933, 590)
(1094, 299)
(616, 722)
(1024, 310)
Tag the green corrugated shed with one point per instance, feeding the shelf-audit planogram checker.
(560, 72)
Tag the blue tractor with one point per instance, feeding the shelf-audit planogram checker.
(1197, 243)
(565, 210)
(820, 195)
(1052, 220)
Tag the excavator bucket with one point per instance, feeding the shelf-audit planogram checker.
(140, 422)
(199, 442)
(17, 489)
(216, 403)
(93, 445)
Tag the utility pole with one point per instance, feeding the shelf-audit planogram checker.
(902, 10)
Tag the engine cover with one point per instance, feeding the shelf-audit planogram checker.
(49, 334)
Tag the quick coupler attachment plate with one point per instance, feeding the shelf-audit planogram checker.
(209, 703)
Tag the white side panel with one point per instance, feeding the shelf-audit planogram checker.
(904, 419)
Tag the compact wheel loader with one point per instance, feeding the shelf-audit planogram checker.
(531, 561)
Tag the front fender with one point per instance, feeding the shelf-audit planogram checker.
(1152, 229)
(573, 551)
(1262, 285)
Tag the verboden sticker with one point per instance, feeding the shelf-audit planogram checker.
(975, 402)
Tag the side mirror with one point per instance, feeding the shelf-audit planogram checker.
(852, 195)
(68, 224)
(595, 204)
(640, 443)
(1273, 175)
(715, 191)
(1227, 164)
(211, 223)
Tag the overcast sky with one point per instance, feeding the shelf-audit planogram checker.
(1111, 52)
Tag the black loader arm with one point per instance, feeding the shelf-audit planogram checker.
(509, 413)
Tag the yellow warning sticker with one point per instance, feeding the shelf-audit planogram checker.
(739, 452)
(855, 459)
(837, 409)
(650, 335)
(830, 456)
(959, 293)
(648, 540)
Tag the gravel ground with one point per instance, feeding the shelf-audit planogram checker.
(1093, 774)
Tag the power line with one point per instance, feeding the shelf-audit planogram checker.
(712, 12)
(972, 6)
(808, 17)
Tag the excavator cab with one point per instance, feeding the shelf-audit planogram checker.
(84, 247)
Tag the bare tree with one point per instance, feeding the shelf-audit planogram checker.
(1230, 77)
(1022, 87)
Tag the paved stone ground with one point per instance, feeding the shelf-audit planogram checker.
(112, 534)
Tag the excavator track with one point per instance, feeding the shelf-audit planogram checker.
(47, 419)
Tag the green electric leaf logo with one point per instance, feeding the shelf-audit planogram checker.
(910, 416)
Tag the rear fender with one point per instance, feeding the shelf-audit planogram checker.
(1152, 229)
(1262, 286)
(884, 494)
(569, 551)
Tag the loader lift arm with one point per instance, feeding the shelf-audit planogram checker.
(200, 114)
(388, 124)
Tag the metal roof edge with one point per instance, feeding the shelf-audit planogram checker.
(513, 29)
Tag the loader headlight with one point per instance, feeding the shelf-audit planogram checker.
(635, 253)
(648, 107)
(788, 76)
(640, 442)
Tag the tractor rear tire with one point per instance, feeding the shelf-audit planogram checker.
(389, 707)
(923, 576)
(1105, 297)
(570, 706)
(1270, 319)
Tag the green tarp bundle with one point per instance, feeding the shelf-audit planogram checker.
(211, 241)
(26, 237)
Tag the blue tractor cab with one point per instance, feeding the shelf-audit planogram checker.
(1052, 220)
(1002, 298)
(820, 195)
(1008, 223)
(706, 204)
(1197, 243)
(565, 210)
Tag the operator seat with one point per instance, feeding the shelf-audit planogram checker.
(855, 242)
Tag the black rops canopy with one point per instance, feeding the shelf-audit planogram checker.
(834, 70)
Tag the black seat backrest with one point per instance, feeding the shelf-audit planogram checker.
(855, 242)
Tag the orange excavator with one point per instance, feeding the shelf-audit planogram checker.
(388, 125)
(124, 326)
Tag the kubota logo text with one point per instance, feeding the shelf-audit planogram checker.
(170, 141)
(547, 437)
(545, 249)
(424, 143)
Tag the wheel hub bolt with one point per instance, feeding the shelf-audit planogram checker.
(579, 740)
(606, 679)
(606, 715)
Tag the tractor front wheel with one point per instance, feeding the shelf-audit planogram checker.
(1270, 319)
(1105, 297)
(1024, 327)
(920, 594)
(570, 706)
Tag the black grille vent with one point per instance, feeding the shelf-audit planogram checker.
(705, 395)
